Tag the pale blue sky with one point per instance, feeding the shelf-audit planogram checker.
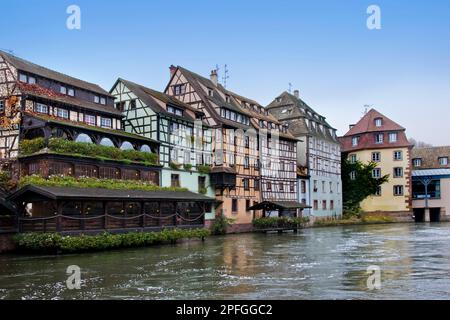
(322, 47)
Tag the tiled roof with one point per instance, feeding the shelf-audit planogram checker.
(41, 92)
(430, 156)
(367, 124)
(294, 111)
(108, 194)
(33, 68)
(148, 96)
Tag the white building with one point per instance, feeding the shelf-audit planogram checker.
(318, 155)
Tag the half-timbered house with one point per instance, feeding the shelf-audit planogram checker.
(318, 156)
(185, 138)
(238, 151)
(68, 125)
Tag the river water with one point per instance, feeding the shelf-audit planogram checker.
(320, 263)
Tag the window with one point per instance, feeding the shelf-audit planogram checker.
(355, 141)
(71, 92)
(433, 191)
(353, 175)
(398, 190)
(269, 186)
(443, 161)
(90, 120)
(292, 187)
(376, 173)
(331, 204)
(324, 204)
(106, 122)
(96, 99)
(41, 108)
(120, 106)
(63, 113)
(31, 80)
(234, 205)
(201, 184)
(178, 89)
(63, 90)
(247, 205)
(281, 186)
(353, 158)
(175, 111)
(393, 137)
(379, 138)
(316, 205)
(303, 186)
(376, 157)
(378, 122)
(257, 184)
(398, 155)
(132, 104)
(315, 185)
(398, 172)
(175, 180)
(331, 187)
(417, 162)
(378, 192)
(246, 162)
(23, 78)
(210, 92)
(323, 187)
(246, 183)
(227, 99)
(2, 106)
(102, 101)
(247, 141)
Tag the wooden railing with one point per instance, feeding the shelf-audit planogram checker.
(63, 223)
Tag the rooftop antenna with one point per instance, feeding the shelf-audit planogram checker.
(290, 87)
(366, 108)
(225, 76)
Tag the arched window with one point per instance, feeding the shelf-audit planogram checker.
(127, 146)
(83, 138)
(106, 142)
(146, 148)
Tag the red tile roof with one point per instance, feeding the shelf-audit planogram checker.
(367, 124)
(366, 130)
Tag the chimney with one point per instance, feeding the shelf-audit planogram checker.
(172, 69)
(297, 94)
(214, 77)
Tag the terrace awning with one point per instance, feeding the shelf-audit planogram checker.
(279, 205)
(33, 193)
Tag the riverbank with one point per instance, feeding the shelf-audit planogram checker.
(54, 243)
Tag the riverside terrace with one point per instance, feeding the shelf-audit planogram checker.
(69, 210)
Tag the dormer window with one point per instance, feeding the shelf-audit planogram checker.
(100, 100)
(71, 92)
(210, 92)
(379, 138)
(27, 79)
(417, 162)
(132, 104)
(227, 99)
(67, 91)
(175, 111)
(443, 161)
(355, 141)
(378, 122)
(278, 99)
(393, 137)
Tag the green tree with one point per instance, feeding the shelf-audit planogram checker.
(358, 184)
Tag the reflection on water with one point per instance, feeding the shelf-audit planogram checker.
(325, 263)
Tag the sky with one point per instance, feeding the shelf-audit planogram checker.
(322, 47)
